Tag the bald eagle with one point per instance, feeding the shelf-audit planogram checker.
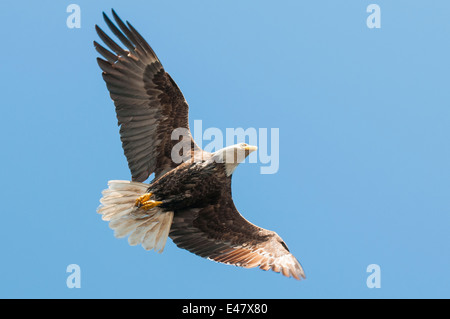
(190, 200)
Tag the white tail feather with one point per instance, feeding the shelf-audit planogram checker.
(149, 228)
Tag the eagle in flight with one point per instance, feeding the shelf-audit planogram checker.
(189, 199)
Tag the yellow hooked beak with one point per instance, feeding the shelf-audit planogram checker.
(250, 148)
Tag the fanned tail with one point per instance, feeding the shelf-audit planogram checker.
(147, 227)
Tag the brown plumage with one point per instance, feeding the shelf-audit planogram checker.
(195, 206)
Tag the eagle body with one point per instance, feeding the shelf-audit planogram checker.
(191, 184)
(190, 198)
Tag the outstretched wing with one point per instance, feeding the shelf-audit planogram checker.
(220, 233)
(149, 104)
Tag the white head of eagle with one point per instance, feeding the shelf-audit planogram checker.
(233, 155)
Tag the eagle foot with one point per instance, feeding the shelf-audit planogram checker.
(144, 202)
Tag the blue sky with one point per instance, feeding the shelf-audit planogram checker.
(364, 122)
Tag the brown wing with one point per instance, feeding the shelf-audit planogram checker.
(149, 105)
(220, 233)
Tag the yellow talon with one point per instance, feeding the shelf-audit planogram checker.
(142, 199)
(144, 202)
(150, 204)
